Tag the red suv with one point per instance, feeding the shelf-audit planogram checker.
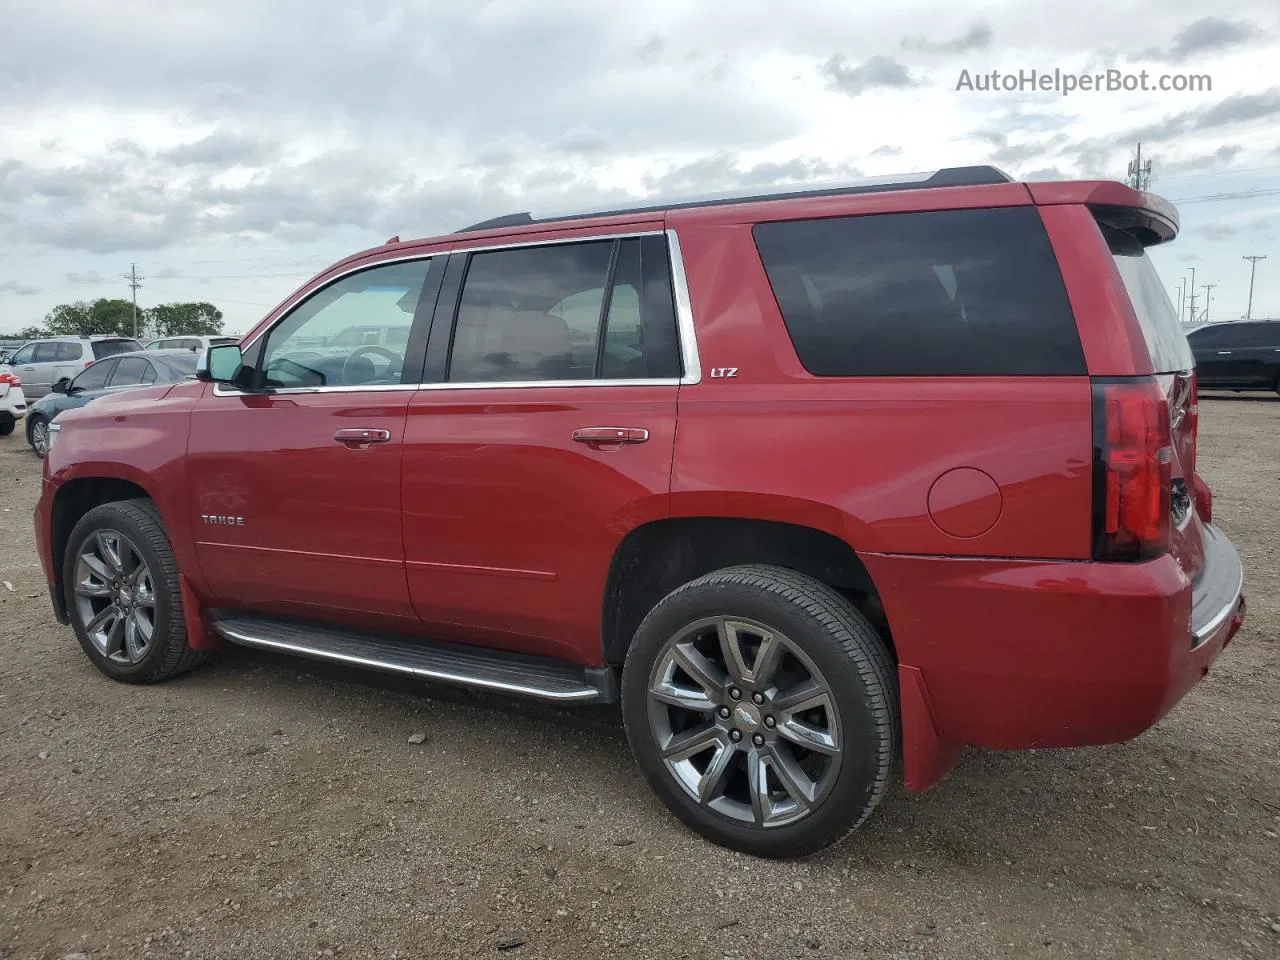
(810, 482)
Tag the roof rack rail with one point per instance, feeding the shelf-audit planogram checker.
(946, 177)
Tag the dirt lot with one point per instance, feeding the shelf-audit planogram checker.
(266, 807)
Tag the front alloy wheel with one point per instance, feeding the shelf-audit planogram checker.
(115, 597)
(40, 435)
(745, 722)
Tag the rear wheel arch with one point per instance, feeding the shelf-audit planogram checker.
(657, 557)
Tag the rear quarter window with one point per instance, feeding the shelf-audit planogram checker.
(109, 348)
(1161, 329)
(946, 293)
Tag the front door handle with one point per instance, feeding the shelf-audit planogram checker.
(610, 435)
(361, 436)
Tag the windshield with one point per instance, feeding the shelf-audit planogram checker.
(1166, 341)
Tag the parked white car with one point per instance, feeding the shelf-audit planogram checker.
(192, 343)
(13, 402)
(42, 363)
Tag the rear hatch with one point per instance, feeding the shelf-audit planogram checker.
(1173, 365)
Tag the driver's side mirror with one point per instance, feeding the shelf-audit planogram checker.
(61, 386)
(221, 363)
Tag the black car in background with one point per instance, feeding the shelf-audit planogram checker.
(1243, 355)
(126, 371)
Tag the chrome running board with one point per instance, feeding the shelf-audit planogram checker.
(480, 667)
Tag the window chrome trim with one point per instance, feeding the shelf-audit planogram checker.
(685, 330)
(684, 313)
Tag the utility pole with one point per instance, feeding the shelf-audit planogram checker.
(1253, 266)
(1191, 296)
(1208, 293)
(1139, 172)
(1180, 284)
(135, 282)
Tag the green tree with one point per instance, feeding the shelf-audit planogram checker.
(175, 319)
(114, 317)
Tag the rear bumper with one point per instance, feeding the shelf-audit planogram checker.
(1011, 654)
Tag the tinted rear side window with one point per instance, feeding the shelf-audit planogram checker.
(109, 348)
(1157, 316)
(947, 293)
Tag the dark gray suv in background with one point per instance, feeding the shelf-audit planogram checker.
(1243, 355)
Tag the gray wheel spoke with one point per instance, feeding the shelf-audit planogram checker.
(686, 698)
(146, 624)
(134, 643)
(804, 696)
(114, 641)
(110, 552)
(87, 588)
(99, 621)
(714, 778)
(691, 742)
(98, 566)
(762, 667)
(808, 736)
(758, 785)
(794, 780)
(703, 672)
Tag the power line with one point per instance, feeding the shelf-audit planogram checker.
(1240, 195)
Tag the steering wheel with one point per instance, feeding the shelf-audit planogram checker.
(396, 360)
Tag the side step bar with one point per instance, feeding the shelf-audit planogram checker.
(480, 667)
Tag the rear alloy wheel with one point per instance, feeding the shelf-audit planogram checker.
(762, 708)
(38, 434)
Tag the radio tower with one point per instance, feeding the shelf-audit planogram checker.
(1139, 172)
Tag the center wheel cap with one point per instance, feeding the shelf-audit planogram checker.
(747, 716)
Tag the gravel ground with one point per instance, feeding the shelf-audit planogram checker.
(267, 807)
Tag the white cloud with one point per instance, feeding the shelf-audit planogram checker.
(274, 138)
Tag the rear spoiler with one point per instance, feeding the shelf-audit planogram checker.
(1151, 219)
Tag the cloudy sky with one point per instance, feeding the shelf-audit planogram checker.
(232, 148)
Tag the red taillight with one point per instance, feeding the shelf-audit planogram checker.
(1194, 415)
(11, 378)
(1132, 469)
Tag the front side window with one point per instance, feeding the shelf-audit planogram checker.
(576, 311)
(95, 378)
(322, 342)
(25, 355)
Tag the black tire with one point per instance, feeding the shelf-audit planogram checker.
(32, 421)
(169, 654)
(854, 663)
(7, 423)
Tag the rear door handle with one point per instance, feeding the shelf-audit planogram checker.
(603, 435)
(361, 436)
